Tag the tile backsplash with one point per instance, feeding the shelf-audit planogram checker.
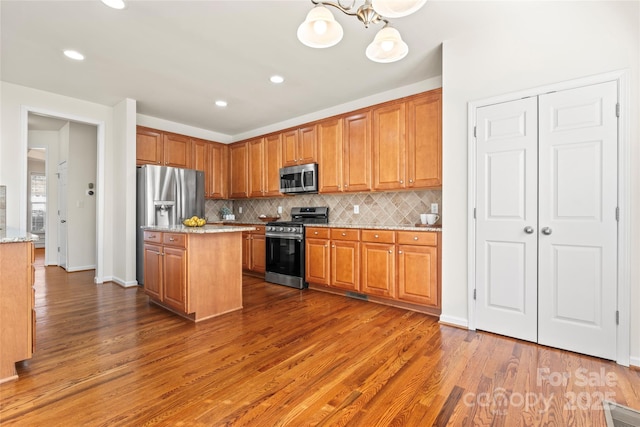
(385, 208)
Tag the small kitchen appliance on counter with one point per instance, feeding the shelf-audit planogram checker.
(285, 255)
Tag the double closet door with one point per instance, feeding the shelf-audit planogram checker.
(546, 219)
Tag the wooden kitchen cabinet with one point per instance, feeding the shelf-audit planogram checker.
(165, 269)
(157, 147)
(239, 170)
(211, 157)
(256, 159)
(378, 263)
(254, 250)
(299, 146)
(17, 306)
(418, 268)
(264, 166)
(345, 259)
(407, 143)
(318, 256)
(344, 152)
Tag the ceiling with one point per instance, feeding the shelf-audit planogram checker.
(175, 58)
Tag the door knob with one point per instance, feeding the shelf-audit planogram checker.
(63, 221)
(528, 229)
(546, 231)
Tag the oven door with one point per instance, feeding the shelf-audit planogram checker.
(285, 260)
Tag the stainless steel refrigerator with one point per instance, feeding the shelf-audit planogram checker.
(165, 196)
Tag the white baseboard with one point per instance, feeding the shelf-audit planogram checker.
(634, 361)
(80, 268)
(124, 283)
(454, 321)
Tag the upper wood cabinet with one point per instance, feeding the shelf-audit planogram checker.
(211, 157)
(264, 166)
(344, 153)
(162, 148)
(299, 146)
(256, 158)
(407, 143)
(238, 170)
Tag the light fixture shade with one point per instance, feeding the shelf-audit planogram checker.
(397, 8)
(116, 4)
(320, 29)
(387, 46)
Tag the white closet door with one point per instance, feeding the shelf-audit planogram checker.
(578, 228)
(506, 219)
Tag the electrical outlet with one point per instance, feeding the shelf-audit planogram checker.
(239, 209)
(356, 209)
(279, 209)
(434, 208)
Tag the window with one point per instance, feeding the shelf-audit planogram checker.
(38, 202)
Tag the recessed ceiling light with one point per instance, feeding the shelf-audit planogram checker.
(221, 103)
(116, 4)
(73, 54)
(276, 79)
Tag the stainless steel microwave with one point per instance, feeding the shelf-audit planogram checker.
(299, 179)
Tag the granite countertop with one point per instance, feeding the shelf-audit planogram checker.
(14, 235)
(207, 229)
(435, 227)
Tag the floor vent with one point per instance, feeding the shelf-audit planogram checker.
(620, 416)
(356, 295)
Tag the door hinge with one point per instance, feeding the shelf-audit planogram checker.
(617, 213)
(618, 109)
(475, 129)
(58, 248)
(474, 213)
(617, 317)
(474, 294)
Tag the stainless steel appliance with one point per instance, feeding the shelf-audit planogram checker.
(285, 246)
(165, 196)
(299, 179)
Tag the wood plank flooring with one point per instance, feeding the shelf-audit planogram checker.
(105, 356)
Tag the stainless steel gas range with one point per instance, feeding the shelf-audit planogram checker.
(285, 256)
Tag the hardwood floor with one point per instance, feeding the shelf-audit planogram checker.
(105, 356)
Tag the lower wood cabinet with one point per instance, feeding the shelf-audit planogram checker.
(254, 250)
(195, 275)
(17, 306)
(399, 267)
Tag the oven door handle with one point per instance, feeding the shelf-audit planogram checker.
(286, 236)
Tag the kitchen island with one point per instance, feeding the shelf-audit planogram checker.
(195, 272)
(17, 314)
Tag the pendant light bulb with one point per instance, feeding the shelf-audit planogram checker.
(387, 46)
(320, 29)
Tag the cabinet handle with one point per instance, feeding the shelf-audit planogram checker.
(152, 236)
(399, 252)
(333, 246)
(401, 182)
(315, 232)
(171, 239)
(344, 234)
(346, 185)
(376, 236)
(390, 251)
(415, 238)
(410, 181)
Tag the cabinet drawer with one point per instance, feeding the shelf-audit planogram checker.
(417, 238)
(259, 229)
(175, 239)
(153, 236)
(379, 236)
(317, 233)
(345, 234)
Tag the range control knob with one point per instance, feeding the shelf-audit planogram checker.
(280, 229)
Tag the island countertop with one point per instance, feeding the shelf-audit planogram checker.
(14, 235)
(206, 229)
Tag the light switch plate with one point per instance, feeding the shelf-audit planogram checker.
(279, 209)
(239, 209)
(356, 209)
(434, 208)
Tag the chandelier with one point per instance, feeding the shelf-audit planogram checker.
(320, 29)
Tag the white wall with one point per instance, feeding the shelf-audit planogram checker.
(557, 41)
(81, 207)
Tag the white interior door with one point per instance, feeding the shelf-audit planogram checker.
(577, 215)
(62, 215)
(506, 215)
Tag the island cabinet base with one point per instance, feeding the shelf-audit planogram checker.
(198, 276)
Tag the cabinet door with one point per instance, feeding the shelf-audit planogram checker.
(307, 145)
(246, 251)
(345, 265)
(148, 146)
(218, 158)
(258, 253)
(378, 269)
(238, 187)
(152, 258)
(290, 148)
(256, 167)
(317, 265)
(272, 162)
(356, 152)
(177, 151)
(418, 274)
(389, 147)
(330, 156)
(175, 278)
(424, 140)
(200, 161)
